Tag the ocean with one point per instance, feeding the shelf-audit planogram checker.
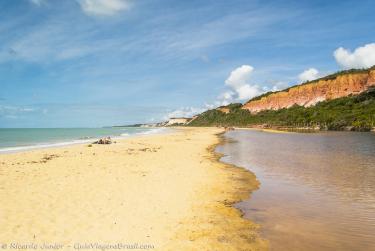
(19, 139)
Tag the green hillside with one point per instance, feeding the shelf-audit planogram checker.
(354, 112)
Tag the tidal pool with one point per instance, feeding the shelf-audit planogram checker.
(317, 190)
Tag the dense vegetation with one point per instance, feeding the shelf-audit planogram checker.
(353, 112)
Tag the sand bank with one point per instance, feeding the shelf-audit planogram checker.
(165, 191)
(269, 130)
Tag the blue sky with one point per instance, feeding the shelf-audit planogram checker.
(78, 63)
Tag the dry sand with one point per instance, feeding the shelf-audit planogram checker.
(168, 191)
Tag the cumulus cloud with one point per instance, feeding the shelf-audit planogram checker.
(239, 89)
(103, 7)
(275, 86)
(362, 57)
(239, 82)
(309, 75)
(225, 98)
(185, 112)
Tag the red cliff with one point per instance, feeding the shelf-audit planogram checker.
(311, 93)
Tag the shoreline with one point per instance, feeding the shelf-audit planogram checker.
(72, 142)
(305, 129)
(171, 191)
(231, 230)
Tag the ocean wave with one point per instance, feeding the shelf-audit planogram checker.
(43, 145)
(152, 131)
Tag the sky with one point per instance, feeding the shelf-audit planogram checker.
(92, 63)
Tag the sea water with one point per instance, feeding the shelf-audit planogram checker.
(19, 139)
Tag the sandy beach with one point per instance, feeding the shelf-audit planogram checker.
(160, 192)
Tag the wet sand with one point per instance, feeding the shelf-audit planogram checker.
(169, 192)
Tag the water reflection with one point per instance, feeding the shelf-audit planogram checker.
(317, 190)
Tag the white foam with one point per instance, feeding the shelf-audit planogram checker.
(43, 145)
(153, 131)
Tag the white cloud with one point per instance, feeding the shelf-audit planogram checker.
(239, 82)
(240, 89)
(205, 58)
(362, 57)
(37, 2)
(8, 111)
(240, 76)
(103, 7)
(60, 38)
(225, 98)
(26, 109)
(276, 86)
(185, 112)
(248, 91)
(52, 41)
(309, 75)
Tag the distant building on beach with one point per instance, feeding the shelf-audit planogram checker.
(178, 121)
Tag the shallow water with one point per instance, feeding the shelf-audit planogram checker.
(317, 190)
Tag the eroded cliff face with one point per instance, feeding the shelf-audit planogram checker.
(223, 109)
(312, 93)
